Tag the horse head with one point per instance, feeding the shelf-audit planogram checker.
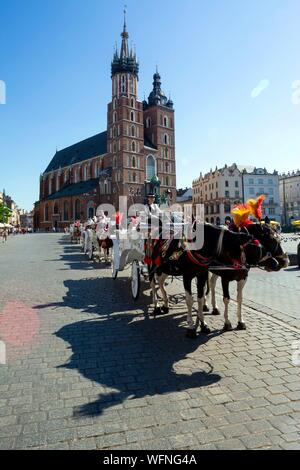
(275, 258)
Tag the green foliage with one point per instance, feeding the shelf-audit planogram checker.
(5, 213)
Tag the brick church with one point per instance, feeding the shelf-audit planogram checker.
(135, 155)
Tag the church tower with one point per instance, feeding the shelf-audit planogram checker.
(160, 131)
(125, 130)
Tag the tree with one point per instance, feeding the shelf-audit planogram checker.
(5, 213)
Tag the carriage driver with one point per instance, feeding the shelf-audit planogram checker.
(152, 209)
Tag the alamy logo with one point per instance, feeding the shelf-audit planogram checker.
(2, 92)
(2, 352)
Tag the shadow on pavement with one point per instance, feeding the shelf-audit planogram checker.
(133, 358)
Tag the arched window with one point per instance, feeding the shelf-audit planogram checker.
(76, 175)
(151, 167)
(166, 122)
(115, 116)
(90, 210)
(123, 84)
(96, 170)
(115, 131)
(85, 172)
(132, 116)
(134, 177)
(66, 210)
(133, 146)
(167, 181)
(132, 102)
(66, 174)
(57, 182)
(148, 122)
(166, 139)
(132, 131)
(167, 167)
(114, 103)
(115, 162)
(55, 208)
(166, 152)
(133, 162)
(77, 209)
(46, 212)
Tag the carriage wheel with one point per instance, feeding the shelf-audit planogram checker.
(91, 253)
(114, 270)
(135, 280)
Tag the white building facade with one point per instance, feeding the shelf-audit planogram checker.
(259, 181)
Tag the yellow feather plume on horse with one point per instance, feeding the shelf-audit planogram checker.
(241, 212)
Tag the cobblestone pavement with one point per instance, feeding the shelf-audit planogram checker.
(89, 368)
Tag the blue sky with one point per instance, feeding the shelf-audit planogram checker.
(229, 65)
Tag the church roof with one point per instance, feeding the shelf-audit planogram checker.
(75, 189)
(88, 148)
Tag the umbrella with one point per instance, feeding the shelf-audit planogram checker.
(296, 222)
(2, 225)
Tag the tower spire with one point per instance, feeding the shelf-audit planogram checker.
(124, 35)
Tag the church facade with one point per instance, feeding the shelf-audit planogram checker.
(133, 156)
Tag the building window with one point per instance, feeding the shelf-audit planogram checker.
(167, 167)
(166, 139)
(114, 103)
(133, 162)
(115, 162)
(132, 116)
(66, 210)
(226, 193)
(165, 121)
(123, 84)
(236, 183)
(227, 208)
(226, 184)
(151, 167)
(46, 213)
(77, 209)
(132, 102)
(251, 181)
(260, 181)
(132, 131)
(251, 190)
(148, 122)
(133, 146)
(115, 117)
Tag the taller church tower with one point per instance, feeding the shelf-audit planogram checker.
(125, 129)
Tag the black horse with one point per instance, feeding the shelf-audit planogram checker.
(222, 248)
(273, 259)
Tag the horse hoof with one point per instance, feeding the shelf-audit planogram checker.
(215, 312)
(204, 329)
(191, 333)
(205, 308)
(157, 311)
(227, 327)
(165, 309)
(241, 326)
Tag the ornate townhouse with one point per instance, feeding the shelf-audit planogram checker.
(289, 188)
(134, 155)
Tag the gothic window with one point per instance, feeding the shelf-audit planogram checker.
(133, 146)
(66, 176)
(96, 170)
(134, 177)
(151, 167)
(165, 121)
(66, 210)
(115, 147)
(167, 167)
(46, 212)
(167, 181)
(166, 139)
(57, 182)
(115, 162)
(115, 116)
(133, 162)
(114, 103)
(132, 131)
(132, 102)
(55, 209)
(115, 132)
(166, 152)
(123, 84)
(85, 172)
(77, 209)
(132, 116)
(148, 122)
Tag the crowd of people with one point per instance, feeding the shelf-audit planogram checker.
(5, 232)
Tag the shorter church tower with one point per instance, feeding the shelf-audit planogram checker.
(160, 132)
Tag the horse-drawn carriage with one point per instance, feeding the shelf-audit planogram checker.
(75, 232)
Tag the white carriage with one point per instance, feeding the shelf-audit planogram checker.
(128, 252)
